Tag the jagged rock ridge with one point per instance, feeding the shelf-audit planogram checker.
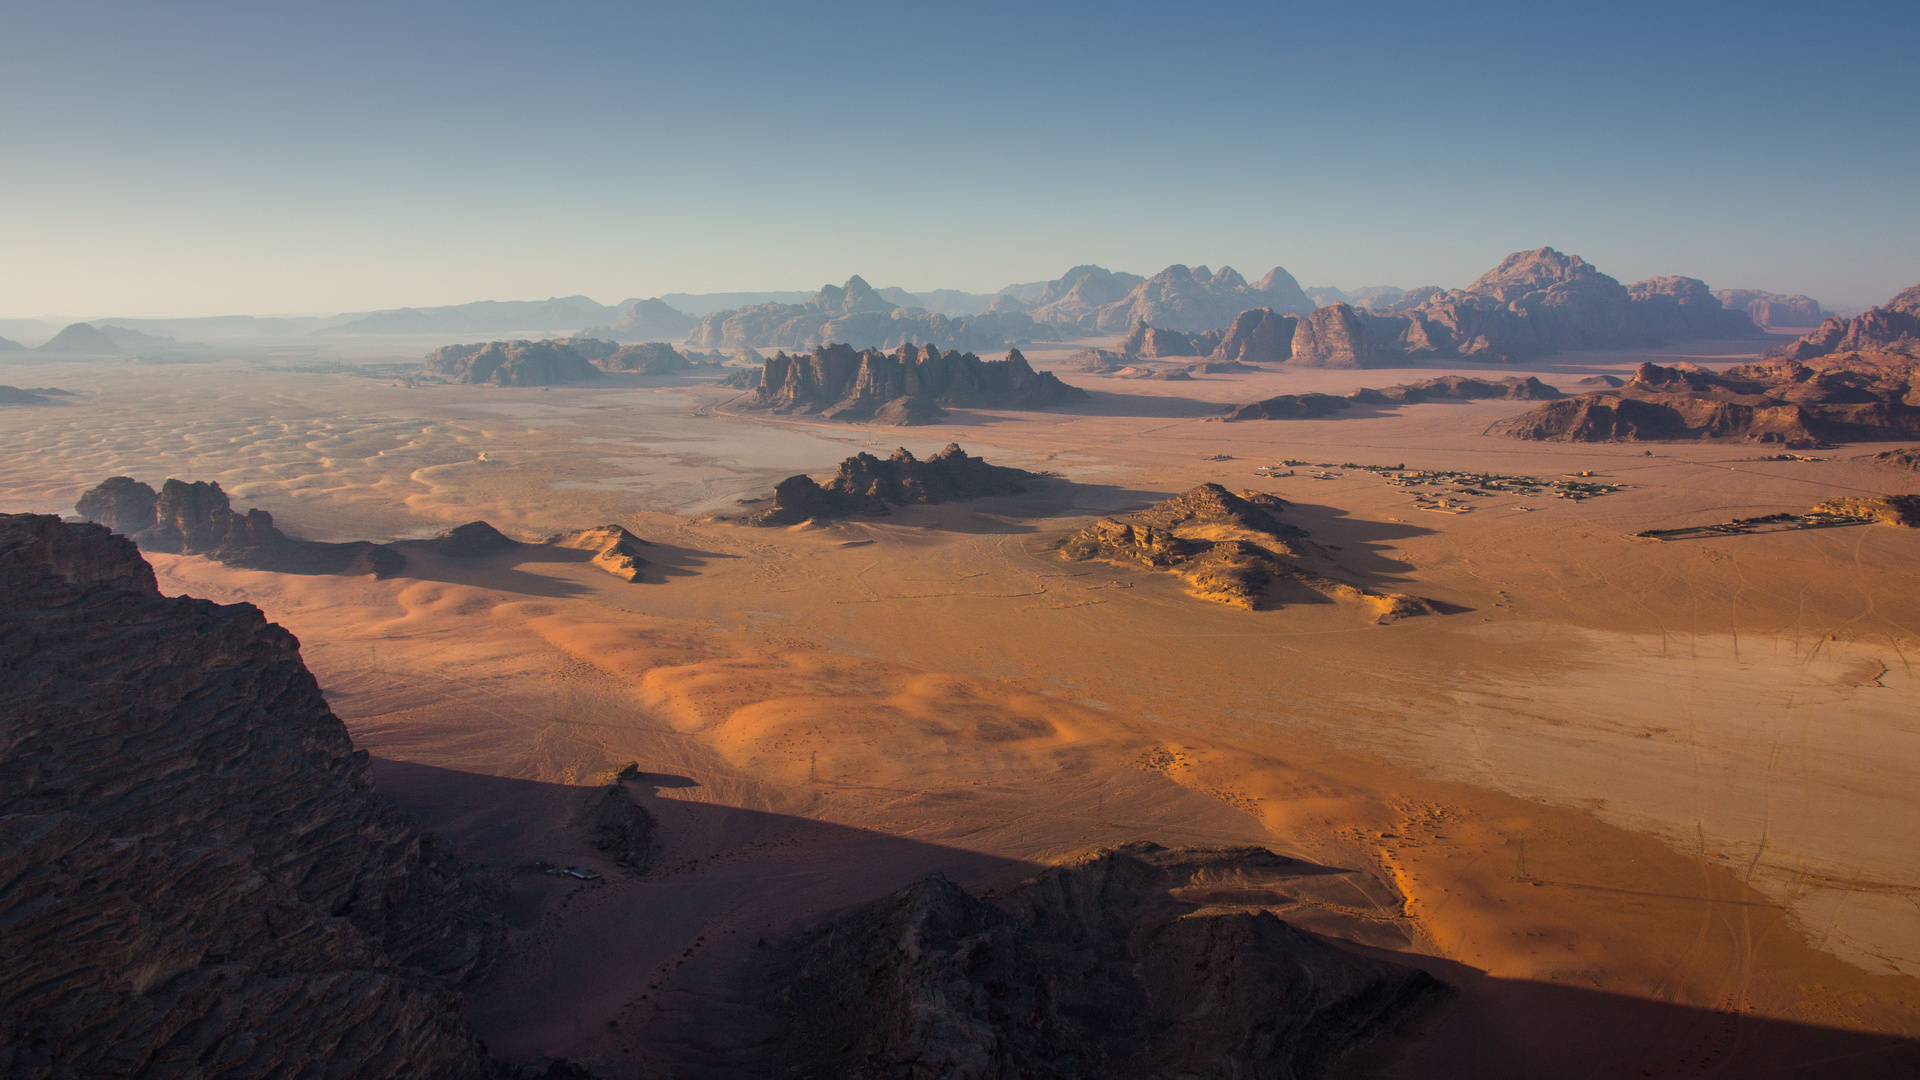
(195, 876)
(199, 519)
(1852, 396)
(855, 314)
(907, 386)
(1446, 387)
(1123, 963)
(869, 485)
(1892, 327)
(1232, 549)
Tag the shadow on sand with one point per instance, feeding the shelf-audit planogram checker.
(638, 971)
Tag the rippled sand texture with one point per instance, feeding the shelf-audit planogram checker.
(1659, 793)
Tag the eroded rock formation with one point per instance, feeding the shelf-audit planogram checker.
(1772, 310)
(1125, 963)
(1179, 298)
(198, 879)
(1155, 342)
(855, 314)
(198, 519)
(870, 486)
(1853, 396)
(615, 550)
(1444, 388)
(1337, 336)
(1258, 336)
(906, 386)
(1232, 549)
(511, 363)
(1893, 327)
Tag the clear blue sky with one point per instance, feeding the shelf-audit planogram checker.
(200, 158)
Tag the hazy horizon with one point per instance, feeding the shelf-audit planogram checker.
(223, 159)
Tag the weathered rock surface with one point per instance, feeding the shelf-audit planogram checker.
(1460, 388)
(1232, 549)
(837, 382)
(1291, 407)
(1258, 336)
(871, 486)
(511, 363)
(615, 550)
(621, 828)
(1179, 298)
(1337, 336)
(1772, 310)
(196, 878)
(1894, 327)
(1853, 396)
(1074, 297)
(1155, 342)
(1124, 963)
(857, 316)
(198, 519)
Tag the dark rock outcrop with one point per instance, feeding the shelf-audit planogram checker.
(474, 540)
(1853, 396)
(621, 828)
(196, 878)
(1772, 310)
(1893, 327)
(1258, 336)
(1125, 963)
(837, 382)
(1291, 407)
(1460, 388)
(869, 485)
(1232, 549)
(1155, 342)
(199, 519)
(511, 363)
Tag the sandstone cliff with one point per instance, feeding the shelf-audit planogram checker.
(907, 385)
(1853, 396)
(869, 485)
(197, 877)
(1152, 342)
(198, 519)
(1124, 963)
(1772, 310)
(1338, 336)
(1232, 549)
(1893, 327)
(1258, 336)
(511, 363)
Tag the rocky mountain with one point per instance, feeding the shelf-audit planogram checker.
(1258, 336)
(561, 313)
(1542, 301)
(1068, 299)
(1892, 327)
(1445, 388)
(1846, 397)
(1177, 298)
(856, 315)
(1772, 310)
(198, 519)
(199, 879)
(1338, 336)
(867, 485)
(511, 363)
(82, 339)
(905, 387)
(1232, 549)
(646, 320)
(1130, 963)
(645, 358)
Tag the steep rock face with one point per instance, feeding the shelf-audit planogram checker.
(1232, 549)
(1336, 337)
(195, 877)
(511, 363)
(1196, 299)
(1772, 310)
(855, 315)
(841, 383)
(1679, 308)
(1107, 966)
(869, 485)
(1893, 327)
(1800, 405)
(1258, 336)
(1155, 342)
(198, 519)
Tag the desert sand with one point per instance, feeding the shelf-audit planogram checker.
(1647, 804)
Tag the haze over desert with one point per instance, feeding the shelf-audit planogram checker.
(1143, 669)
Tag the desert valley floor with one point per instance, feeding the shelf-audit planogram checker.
(1618, 786)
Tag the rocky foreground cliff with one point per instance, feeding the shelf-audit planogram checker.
(1135, 962)
(196, 878)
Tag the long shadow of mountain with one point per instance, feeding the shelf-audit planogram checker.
(640, 972)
